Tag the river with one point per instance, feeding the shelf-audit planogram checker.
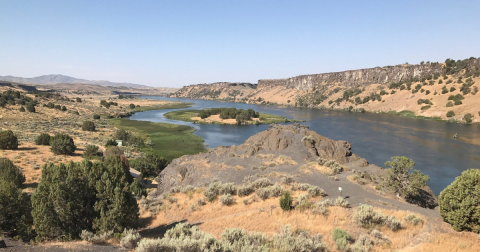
(375, 137)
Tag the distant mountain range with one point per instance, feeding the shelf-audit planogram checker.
(58, 78)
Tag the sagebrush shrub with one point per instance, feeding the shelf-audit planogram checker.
(96, 238)
(413, 219)
(379, 237)
(227, 199)
(340, 201)
(245, 190)
(393, 223)
(96, 117)
(261, 182)
(341, 237)
(365, 216)
(316, 191)
(130, 238)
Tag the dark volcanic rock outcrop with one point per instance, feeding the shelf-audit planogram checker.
(259, 154)
(281, 151)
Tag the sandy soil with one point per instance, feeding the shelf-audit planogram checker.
(216, 118)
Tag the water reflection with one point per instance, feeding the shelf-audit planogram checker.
(376, 137)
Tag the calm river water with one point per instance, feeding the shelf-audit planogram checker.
(375, 137)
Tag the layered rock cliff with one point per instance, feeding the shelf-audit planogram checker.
(384, 89)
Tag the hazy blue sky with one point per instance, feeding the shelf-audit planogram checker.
(175, 43)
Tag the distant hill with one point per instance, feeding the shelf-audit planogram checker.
(58, 78)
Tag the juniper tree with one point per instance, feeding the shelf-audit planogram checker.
(15, 206)
(401, 180)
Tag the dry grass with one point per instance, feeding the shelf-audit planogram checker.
(265, 156)
(285, 160)
(314, 166)
(259, 216)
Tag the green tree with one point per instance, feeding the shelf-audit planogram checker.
(62, 144)
(83, 196)
(11, 173)
(8, 141)
(22, 109)
(63, 202)
(15, 206)
(132, 106)
(150, 165)
(403, 182)
(460, 202)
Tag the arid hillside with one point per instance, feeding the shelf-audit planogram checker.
(236, 188)
(425, 90)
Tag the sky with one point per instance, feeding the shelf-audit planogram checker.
(176, 43)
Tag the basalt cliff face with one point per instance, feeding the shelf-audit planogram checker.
(381, 89)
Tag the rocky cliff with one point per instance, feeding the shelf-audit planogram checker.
(381, 89)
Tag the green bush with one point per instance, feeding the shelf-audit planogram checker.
(88, 126)
(96, 117)
(121, 134)
(64, 108)
(459, 202)
(227, 200)
(452, 89)
(11, 173)
(458, 102)
(30, 108)
(450, 113)
(43, 139)
(78, 99)
(342, 238)
(132, 106)
(22, 109)
(110, 142)
(149, 165)
(62, 144)
(91, 151)
(449, 104)
(425, 107)
(8, 141)
(286, 201)
(468, 118)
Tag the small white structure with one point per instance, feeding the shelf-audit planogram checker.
(119, 142)
(136, 175)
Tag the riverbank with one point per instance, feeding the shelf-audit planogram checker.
(167, 140)
(193, 115)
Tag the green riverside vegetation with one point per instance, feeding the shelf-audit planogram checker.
(242, 116)
(167, 140)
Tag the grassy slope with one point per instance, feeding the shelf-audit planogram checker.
(186, 115)
(169, 140)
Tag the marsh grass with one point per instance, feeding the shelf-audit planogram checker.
(168, 140)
